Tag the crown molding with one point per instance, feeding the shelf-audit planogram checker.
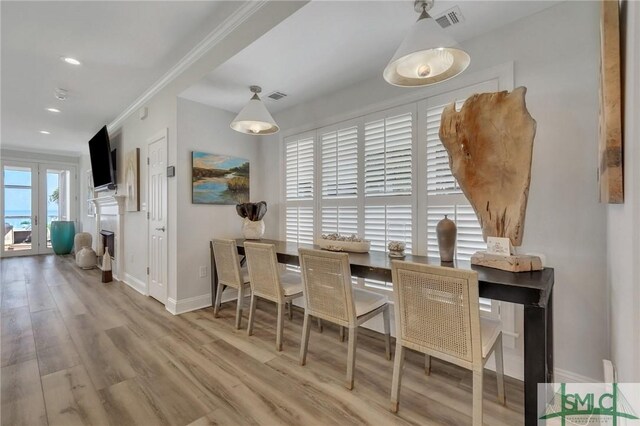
(239, 16)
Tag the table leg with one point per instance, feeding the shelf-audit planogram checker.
(214, 274)
(535, 359)
(550, 371)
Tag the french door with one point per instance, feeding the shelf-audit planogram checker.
(34, 195)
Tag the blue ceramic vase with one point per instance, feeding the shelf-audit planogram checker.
(62, 233)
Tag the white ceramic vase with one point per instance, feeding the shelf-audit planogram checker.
(252, 230)
(86, 258)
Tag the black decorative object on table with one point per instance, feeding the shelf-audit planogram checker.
(252, 214)
(252, 211)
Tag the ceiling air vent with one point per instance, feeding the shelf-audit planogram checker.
(276, 96)
(451, 17)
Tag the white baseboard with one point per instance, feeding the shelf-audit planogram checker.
(177, 307)
(136, 284)
(565, 376)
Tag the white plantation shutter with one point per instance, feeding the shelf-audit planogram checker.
(340, 163)
(387, 155)
(469, 232)
(299, 168)
(388, 223)
(340, 219)
(439, 177)
(299, 224)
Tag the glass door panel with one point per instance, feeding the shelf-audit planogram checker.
(19, 186)
(33, 196)
(58, 198)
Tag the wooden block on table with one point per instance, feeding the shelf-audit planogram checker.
(513, 263)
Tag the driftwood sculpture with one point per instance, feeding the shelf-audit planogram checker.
(490, 143)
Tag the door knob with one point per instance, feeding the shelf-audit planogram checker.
(160, 229)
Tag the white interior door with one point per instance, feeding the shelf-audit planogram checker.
(157, 214)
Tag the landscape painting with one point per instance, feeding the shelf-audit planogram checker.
(219, 179)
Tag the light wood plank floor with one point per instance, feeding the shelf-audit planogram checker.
(75, 351)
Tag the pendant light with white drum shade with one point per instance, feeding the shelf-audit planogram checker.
(254, 118)
(427, 54)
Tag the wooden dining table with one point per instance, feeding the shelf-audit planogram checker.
(533, 290)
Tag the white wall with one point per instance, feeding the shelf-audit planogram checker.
(206, 129)
(135, 133)
(623, 221)
(87, 224)
(558, 63)
(129, 133)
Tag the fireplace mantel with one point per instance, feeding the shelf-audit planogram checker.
(110, 201)
(111, 205)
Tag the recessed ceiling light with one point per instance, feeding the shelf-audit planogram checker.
(72, 61)
(45, 132)
(56, 110)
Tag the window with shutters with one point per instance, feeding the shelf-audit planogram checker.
(388, 148)
(340, 219)
(299, 168)
(299, 226)
(340, 163)
(299, 158)
(388, 145)
(375, 176)
(338, 204)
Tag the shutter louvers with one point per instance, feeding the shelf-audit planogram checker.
(299, 225)
(343, 220)
(440, 181)
(469, 232)
(340, 163)
(299, 169)
(387, 155)
(383, 224)
(388, 223)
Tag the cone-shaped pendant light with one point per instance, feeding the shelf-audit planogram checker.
(254, 118)
(427, 55)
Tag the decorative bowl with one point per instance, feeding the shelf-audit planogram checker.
(347, 246)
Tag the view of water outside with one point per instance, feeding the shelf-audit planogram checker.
(18, 209)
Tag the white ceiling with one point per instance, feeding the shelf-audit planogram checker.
(329, 45)
(124, 47)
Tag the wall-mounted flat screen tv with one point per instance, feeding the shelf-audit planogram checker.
(102, 161)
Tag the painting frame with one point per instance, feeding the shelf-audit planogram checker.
(219, 179)
(132, 180)
(610, 143)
